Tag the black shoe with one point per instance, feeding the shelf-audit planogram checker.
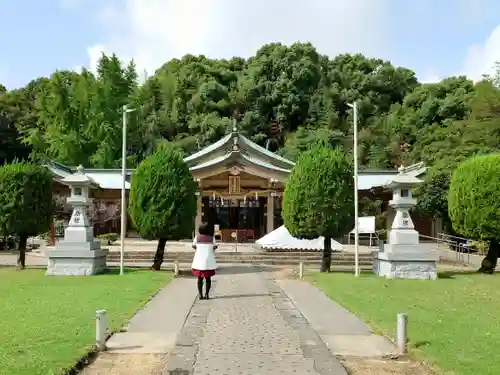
(201, 297)
(206, 296)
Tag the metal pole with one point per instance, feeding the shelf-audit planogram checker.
(301, 270)
(101, 326)
(236, 240)
(176, 268)
(356, 213)
(123, 207)
(402, 332)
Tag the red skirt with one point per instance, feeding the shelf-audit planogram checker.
(203, 273)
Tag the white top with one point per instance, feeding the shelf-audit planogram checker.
(204, 257)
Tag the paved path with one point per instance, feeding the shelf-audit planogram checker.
(344, 333)
(249, 327)
(155, 328)
(253, 324)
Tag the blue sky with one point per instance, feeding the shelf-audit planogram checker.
(434, 38)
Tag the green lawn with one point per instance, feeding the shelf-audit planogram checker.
(454, 322)
(48, 323)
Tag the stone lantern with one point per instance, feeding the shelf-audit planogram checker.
(78, 254)
(403, 256)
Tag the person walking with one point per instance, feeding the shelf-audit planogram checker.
(204, 265)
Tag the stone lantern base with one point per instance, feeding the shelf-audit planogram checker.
(405, 262)
(76, 259)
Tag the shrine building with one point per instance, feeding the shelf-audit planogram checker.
(240, 189)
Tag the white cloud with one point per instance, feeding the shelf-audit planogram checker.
(154, 31)
(481, 58)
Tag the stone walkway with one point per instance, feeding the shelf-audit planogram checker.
(253, 324)
(249, 327)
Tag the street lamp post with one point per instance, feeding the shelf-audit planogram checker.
(123, 221)
(354, 106)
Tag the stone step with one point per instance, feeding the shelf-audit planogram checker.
(252, 253)
(238, 258)
(269, 253)
(237, 255)
(185, 268)
(178, 258)
(252, 261)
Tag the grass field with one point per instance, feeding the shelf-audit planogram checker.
(454, 322)
(48, 323)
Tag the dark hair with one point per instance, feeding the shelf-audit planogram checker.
(206, 229)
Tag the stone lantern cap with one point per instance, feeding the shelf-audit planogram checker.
(79, 178)
(402, 179)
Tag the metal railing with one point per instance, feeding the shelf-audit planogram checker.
(461, 245)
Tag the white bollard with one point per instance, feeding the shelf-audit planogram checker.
(101, 327)
(402, 332)
(301, 270)
(176, 268)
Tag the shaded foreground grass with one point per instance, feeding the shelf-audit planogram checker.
(453, 322)
(48, 323)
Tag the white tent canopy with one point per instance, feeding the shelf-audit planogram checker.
(282, 239)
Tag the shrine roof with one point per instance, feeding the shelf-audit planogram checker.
(216, 152)
(265, 151)
(221, 160)
(110, 179)
(211, 162)
(260, 157)
(209, 149)
(379, 179)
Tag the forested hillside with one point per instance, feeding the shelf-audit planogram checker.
(284, 98)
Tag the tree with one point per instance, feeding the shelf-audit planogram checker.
(432, 196)
(162, 199)
(474, 204)
(285, 97)
(25, 202)
(318, 198)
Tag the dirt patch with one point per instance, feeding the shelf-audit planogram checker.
(126, 364)
(376, 366)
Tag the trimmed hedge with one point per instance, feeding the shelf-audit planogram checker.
(474, 198)
(162, 196)
(319, 195)
(25, 199)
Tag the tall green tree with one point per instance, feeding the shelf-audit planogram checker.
(25, 202)
(474, 204)
(115, 85)
(162, 199)
(319, 198)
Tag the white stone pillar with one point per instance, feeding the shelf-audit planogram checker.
(199, 212)
(270, 213)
